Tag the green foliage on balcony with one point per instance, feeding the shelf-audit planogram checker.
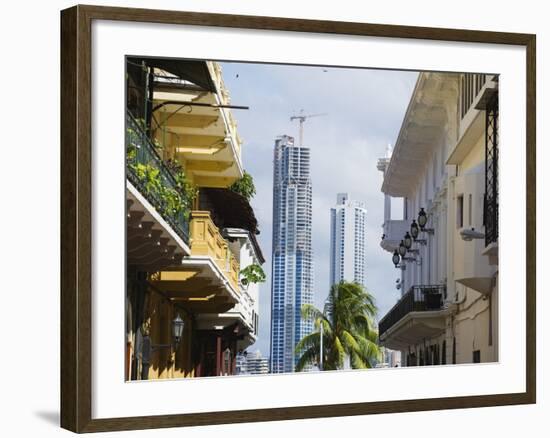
(163, 184)
(252, 274)
(183, 185)
(244, 186)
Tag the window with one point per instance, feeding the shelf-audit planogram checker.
(476, 356)
(460, 211)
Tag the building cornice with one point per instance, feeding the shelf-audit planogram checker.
(424, 124)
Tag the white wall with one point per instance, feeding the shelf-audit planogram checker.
(432, 269)
(30, 45)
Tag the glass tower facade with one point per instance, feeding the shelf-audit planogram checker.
(292, 258)
(347, 240)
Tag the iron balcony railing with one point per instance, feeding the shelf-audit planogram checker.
(417, 299)
(149, 174)
(490, 204)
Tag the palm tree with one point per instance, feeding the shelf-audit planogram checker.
(347, 329)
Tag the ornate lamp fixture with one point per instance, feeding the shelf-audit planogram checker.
(402, 249)
(178, 325)
(422, 221)
(395, 258)
(414, 230)
(407, 240)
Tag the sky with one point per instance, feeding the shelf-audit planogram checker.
(364, 110)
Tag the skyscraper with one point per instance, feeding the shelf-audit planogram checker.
(347, 240)
(292, 270)
(252, 363)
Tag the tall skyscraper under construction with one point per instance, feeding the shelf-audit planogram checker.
(292, 258)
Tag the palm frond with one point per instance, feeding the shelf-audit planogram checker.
(348, 323)
(309, 341)
(358, 363)
(349, 342)
(309, 311)
(339, 353)
(308, 357)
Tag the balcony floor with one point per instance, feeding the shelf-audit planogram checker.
(414, 327)
(199, 285)
(151, 243)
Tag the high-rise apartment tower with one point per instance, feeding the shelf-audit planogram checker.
(347, 240)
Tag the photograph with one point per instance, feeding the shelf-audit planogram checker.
(285, 218)
(273, 219)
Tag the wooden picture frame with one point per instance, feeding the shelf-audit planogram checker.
(76, 198)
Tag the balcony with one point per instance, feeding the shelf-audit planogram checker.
(195, 123)
(394, 230)
(471, 84)
(207, 281)
(147, 172)
(419, 314)
(243, 245)
(206, 240)
(242, 318)
(476, 93)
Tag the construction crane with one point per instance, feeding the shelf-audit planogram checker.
(302, 118)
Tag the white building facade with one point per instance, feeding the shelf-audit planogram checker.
(347, 240)
(292, 257)
(444, 167)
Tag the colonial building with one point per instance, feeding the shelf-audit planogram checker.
(188, 235)
(444, 167)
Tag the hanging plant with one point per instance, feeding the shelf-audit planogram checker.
(252, 274)
(244, 186)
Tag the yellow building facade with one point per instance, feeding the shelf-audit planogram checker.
(181, 140)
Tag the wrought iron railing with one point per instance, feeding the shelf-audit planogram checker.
(417, 299)
(490, 210)
(149, 174)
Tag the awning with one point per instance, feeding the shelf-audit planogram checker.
(229, 209)
(189, 70)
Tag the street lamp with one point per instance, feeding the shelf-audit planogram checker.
(414, 230)
(407, 241)
(395, 258)
(423, 220)
(402, 249)
(177, 329)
